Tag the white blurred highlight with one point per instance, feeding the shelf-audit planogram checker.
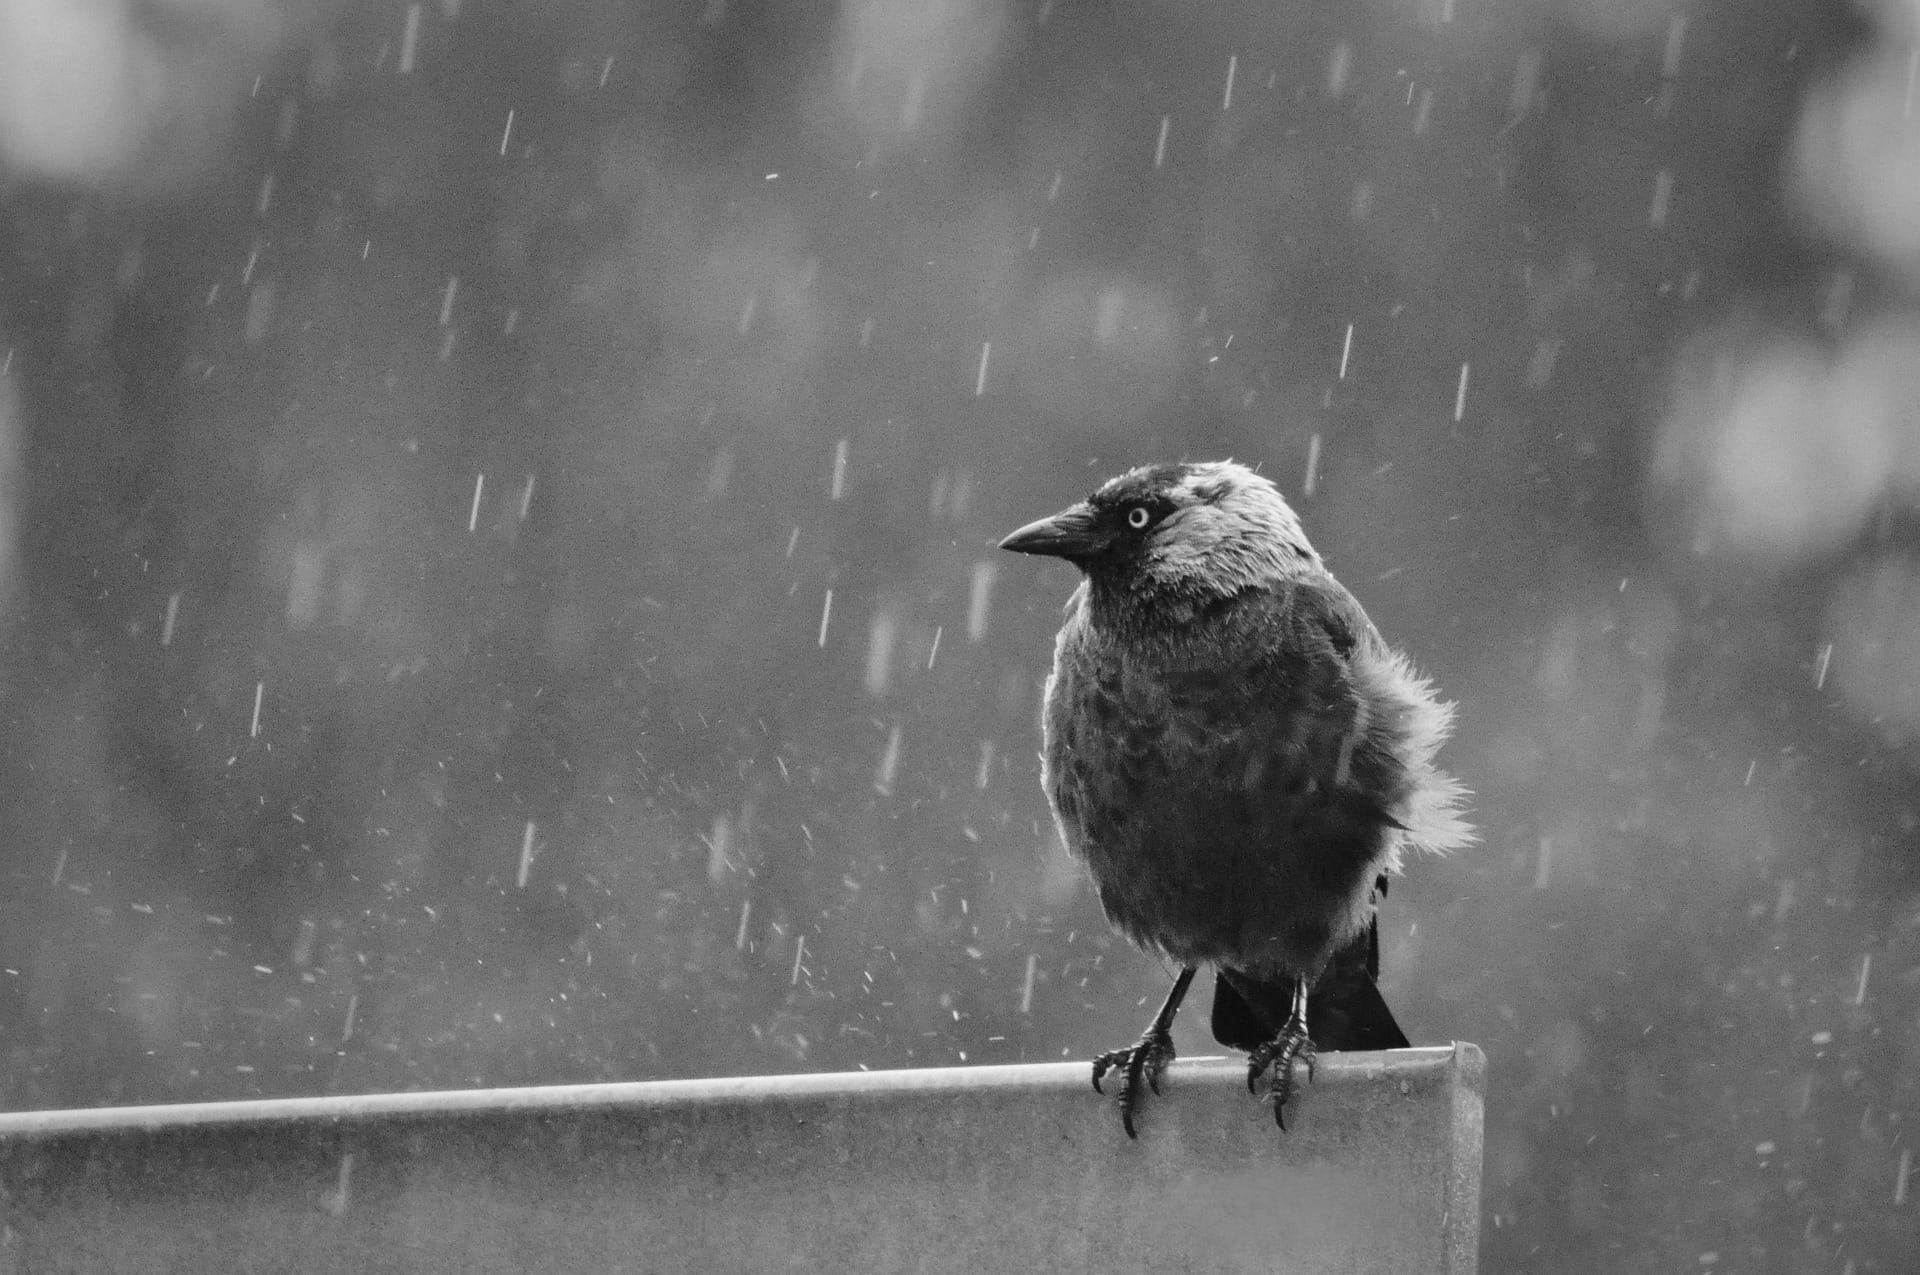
(907, 67)
(1855, 165)
(112, 91)
(1774, 453)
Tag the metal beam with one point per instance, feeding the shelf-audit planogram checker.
(970, 1170)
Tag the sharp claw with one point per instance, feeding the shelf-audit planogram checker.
(1257, 1063)
(1105, 1063)
(1143, 1061)
(1280, 1053)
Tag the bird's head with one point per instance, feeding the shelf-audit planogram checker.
(1189, 531)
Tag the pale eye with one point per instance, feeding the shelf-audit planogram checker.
(1138, 517)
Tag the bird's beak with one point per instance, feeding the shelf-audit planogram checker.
(1072, 534)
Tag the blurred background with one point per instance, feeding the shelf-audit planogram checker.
(496, 507)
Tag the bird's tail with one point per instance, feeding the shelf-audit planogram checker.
(1345, 1010)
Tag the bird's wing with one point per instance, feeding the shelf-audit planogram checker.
(1395, 722)
(1330, 737)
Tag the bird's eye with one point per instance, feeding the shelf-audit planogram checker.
(1138, 517)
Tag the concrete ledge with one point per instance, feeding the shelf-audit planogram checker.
(968, 1170)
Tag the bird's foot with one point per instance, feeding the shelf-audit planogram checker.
(1279, 1053)
(1141, 1066)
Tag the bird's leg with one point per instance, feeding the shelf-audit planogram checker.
(1148, 1058)
(1279, 1053)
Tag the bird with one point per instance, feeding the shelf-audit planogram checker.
(1240, 761)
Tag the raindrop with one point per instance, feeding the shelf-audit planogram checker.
(1546, 353)
(1526, 81)
(337, 1200)
(506, 133)
(826, 617)
(1339, 69)
(837, 487)
(409, 39)
(980, 599)
(1460, 393)
(473, 514)
(302, 954)
(1160, 146)
(526, 855)
(1233, 67)
(883, 774)
(1676, 36)
(718, 864)
(880, 635)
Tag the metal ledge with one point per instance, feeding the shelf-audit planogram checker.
(969, 1170)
